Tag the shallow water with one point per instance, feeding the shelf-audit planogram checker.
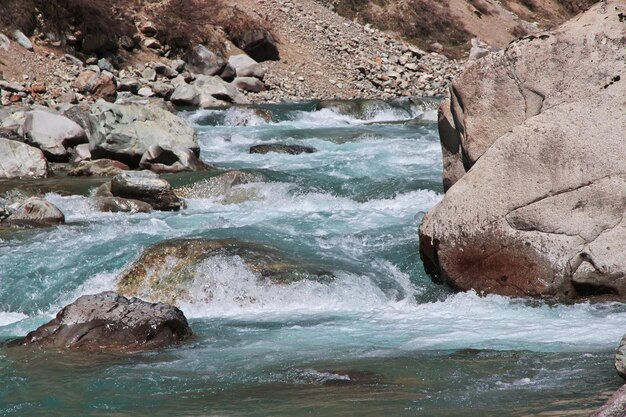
(379, 340)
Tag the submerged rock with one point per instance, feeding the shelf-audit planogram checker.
(148, 187)
(122, 205)
(223, 187)
(18, 160)
(165, 271)
(282, 148)
(36, 212)
(541, 211)
(110, 322)
(615, 406)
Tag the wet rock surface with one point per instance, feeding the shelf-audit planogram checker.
(540, 213)
(281, 148)
(36, 212)
(165, 271)
(110, 322)
(148, 187)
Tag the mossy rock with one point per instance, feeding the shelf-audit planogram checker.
(164, 271)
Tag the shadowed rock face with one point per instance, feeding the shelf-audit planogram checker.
(533, 142)
(110, 322)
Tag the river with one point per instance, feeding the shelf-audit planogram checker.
(378, 339)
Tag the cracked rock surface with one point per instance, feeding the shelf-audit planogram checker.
(534, 143)
(110, 322)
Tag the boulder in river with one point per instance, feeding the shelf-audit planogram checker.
(125, 132)
(110, 322)
(215, 92)
(165, 271)
(542, 127)
(121, 205)
(36, 212)
(148, 187)
(226, 188)
(615, 406)
(281, 148)
(19, 160)
(98, 168)
(52, 133)
(176, 159)
(185, 95)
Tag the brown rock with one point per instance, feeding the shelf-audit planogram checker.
(110, 322)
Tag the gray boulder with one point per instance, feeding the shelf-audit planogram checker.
(5, 42)
(250, 84)
(615, 406)
(541, 125)
(110, 322)
(215, 92)
(18, 160)
(245, 66)
(121, 205)
(53, 134)
(177, 159)
(185, 95)
(23, 40)
(125, 132)
(148, 187)
(36, 212)
(200, 60)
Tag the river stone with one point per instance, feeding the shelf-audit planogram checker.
(36, 212)
(200, 60)
(245, 66)
(53, 134)
(99, 84)
(215, 92)
(98, 168)
(615, 406)
(185, 95)
(110, 322)
(148, 187)
(19, 160)
(226, 188)
(541, 212)
(121, 205)
(165, 271)
(80, 153)
(177, 159)
(282, 148)
(125, 132)
(250, 84)
(23, 40)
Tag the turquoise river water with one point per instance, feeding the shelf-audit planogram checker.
(378, 340)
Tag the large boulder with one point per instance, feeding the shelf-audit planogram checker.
(125, 132)
(615, 406)
(259, 43)
(99, 84)
(164, 272)
(36, 212)
(19, 160)
(53, 134)
(245, 66)
(201, 60)
(110, 322)
(177, 159)
(542, 125)
(215, 92)
(148, 187)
